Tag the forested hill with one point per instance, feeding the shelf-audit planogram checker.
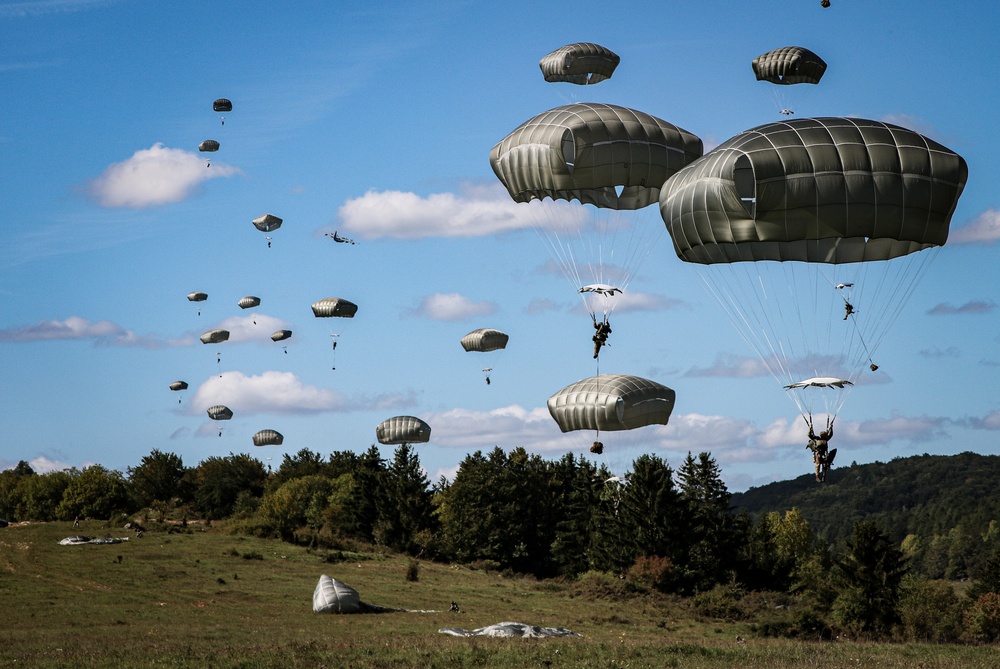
(928, 496)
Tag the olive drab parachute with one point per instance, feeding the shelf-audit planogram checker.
(785, 67)
(609, 156)
(215, 337)
(197, 296)
(789, 65)
(611, 402)
(612, 161)
(267, 223)
(248, 302)
(281, 335)
(209, 146)
(812, 233)
(268, 438)
(489, 342)
(222, 105)
(220, 412)
(177, 386)
(581, 63)
(485, 340)
(334, 307)
(403, 430)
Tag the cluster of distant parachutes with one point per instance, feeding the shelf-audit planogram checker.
(811, 232)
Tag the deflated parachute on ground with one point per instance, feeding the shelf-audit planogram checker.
(611, 402)
(333, 596)
(403, 430)
(789, 65)
(586, 151)
(484, 340)
(581, 63)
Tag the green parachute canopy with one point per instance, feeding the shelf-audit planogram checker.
(581, 63)
(220, 412)
(811, 234)
(484, 340)
(789, 65)
(268, 438)
(215, 337)
(610, 402)
(599, 154)
(334, 307)
(403, 430)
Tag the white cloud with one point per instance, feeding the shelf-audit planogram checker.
(506, 427)
(104, 333)
(153, 176)
(451, 307)
(283, 393)
(477, 211)
(984, 229)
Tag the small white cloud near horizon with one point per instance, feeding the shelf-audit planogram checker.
(970, 307)
(283, 393)
(152, 177)
(102, 333)
(983, 229)
(451, 307)
(475, 211)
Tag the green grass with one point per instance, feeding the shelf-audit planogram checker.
(210, 599)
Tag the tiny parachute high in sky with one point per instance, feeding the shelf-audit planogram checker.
(249, 302)
(334, 307)
(585, 172)
(581, 63)
(223, 106)
(177, 386)
(403, 430)
(209, 146)
(220, 412)
(197, 296)
(267, 223)
(215, 336)
(268, 438)
(785, 67)
(781, 218)
(488, 342)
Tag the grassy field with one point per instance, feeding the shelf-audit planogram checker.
(206, 598)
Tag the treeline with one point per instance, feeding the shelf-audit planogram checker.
(658, 529)
(942, 510)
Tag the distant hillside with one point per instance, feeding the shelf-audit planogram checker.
(926, 495)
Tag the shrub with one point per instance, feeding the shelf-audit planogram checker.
(982, 619)
(930, 611)
(653, 572)
(413, 571)
(722, 601)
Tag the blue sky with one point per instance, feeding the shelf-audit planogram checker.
(377, 121)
